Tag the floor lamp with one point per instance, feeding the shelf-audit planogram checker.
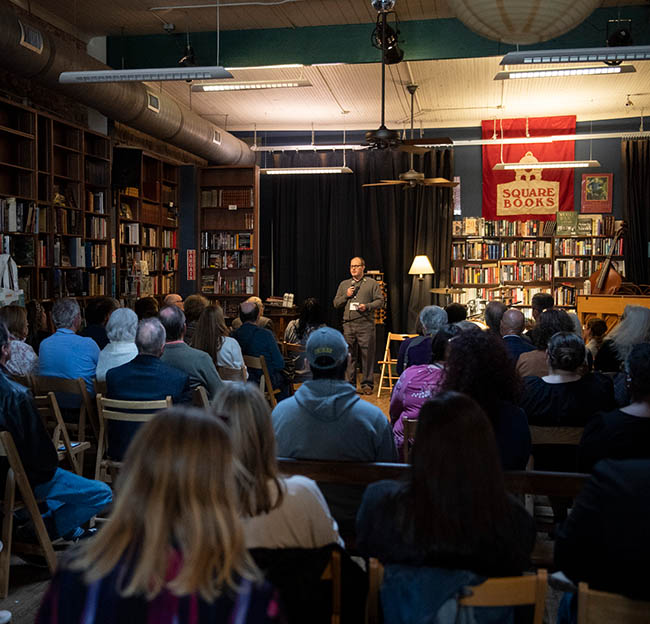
(421, 266)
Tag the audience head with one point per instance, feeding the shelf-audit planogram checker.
(440, 342)
(15, 318)
(146, 307)
(66, 314)
(311, 315)
(36, 316)
(173, 299)
(327, 353)
(456, 312)
(169, 497)
(150, 337)
(512, 322)
(248, 312)
(468, 326)
(194, 305)
(596, 329)
(479, 366)
(247, 414)
(494, 312)
(258, 302)
(210, 331)
(99, 310)
(5, 347)
(541, 302)
(577, 325)
(637, 367)
(122, 326)
(432, 318)
(566, 351)
(550, 322)
(634, 328)
(173, 320)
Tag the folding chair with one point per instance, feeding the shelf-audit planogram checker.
(597, 607)
(333, 573)
(48, 408)
(16, 475)
(123, 411)
(232, 374)
(389, 363)
(265, 380)
(24, 380)
(200, 397)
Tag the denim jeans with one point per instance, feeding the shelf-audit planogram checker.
(72, 500)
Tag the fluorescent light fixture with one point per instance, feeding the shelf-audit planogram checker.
(567, 71)
(146, 75)
(287, 66)
(303, 170)
(578, 55)
(558, 164)
(251, 85)
(312, 147)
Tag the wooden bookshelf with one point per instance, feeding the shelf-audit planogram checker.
(228, 234)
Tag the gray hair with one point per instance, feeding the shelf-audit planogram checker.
(150, 337)
(64, 312)
(577, 325)
(633, 329)
(432, 318)
(122, 325)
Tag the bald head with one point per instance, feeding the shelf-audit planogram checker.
(150, 337)
(248, 312)
(173, 299)
(512, 322)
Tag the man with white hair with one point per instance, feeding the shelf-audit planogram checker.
(417, 350)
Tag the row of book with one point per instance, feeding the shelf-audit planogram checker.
(78, 283)
(96, 227)
(129, 233)
(567, 223)
(169, 261)
(72, 252)
(95, 202)
(149, 236)
(573, 268)
(68, 221)
(170, 239)
(219, 285)
(17, 215)
(226, 259)
(587, 246)
(486, 249)
(97, 173)
(226, 241)
(527, 271)
(516, 295)
(237, 198)
(485, 274)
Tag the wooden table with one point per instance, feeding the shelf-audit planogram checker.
(280, 317)
(608, 307)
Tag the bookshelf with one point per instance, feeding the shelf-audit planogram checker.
(54, 198)
(515, 260)
(146, 192)
(228, 234)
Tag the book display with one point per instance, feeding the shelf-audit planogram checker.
(514, 260)
(146, 192)
(54, 195)
(228, 243)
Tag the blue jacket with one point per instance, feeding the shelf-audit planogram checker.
(256, 341)
(516, 345)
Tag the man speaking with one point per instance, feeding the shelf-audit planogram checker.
(360, 296)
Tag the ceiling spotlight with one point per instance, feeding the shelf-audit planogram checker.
(188, 60)
(393, 53)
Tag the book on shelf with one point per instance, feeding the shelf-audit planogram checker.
(208, 284)
(95, 201)
(24, 251)
(18, 216)
(227, 198)
(567, 223)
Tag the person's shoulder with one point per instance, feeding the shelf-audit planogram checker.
(298, 484)
(381, 489)
(11, 387)
(368, 411)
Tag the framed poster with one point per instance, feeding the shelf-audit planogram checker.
(596, 192)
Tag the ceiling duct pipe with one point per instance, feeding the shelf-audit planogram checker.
(37, 55)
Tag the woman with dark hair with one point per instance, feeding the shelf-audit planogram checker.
(594, 335)
(479, 365)
(452, 511)
(418, 383)
(22, 359)
(193, 306)
(298, 331)
(623, 433)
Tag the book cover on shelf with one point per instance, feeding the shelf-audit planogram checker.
(567, 223)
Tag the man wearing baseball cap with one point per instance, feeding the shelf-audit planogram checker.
(325, 419)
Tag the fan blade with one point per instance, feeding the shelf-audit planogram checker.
(413, 149)
(429, 141)
(385, 183)
(439, 182)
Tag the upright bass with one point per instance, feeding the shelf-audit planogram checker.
(607, 280)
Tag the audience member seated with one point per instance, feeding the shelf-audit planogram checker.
(174, 548)
(594, 334)
(193, 306)
(70, 500)
(549, 322)
(262, 321)
(174, 299)
(326, 419)
(478, 365)
(418, 350)
(197, 364)
(493, 314)
(540, 302)
(604, 541)
(97, 312)
(452, 512)
(634, 328)
(255, 341)
(22, 359)
(144, 378)
(564, 398)
(146, 307)
(417, 384)
(298, 331)
(512, 327)
(456, 312)
(212, 336)
(121, 328)
(623, 433)
(66, 354)
(37, 324)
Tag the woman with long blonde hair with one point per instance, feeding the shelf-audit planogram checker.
(173, 549)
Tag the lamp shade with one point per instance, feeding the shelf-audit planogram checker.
(421, 266)
(522, 21)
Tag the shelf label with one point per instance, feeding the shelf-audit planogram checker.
(232, 206)
(191, 265)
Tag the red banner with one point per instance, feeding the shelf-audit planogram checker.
(531, 193)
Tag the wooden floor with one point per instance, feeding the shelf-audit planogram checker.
(27, 584)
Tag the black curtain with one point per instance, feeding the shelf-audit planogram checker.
(636, 208)
(319, 222)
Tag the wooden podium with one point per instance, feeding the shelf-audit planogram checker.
(608, 307)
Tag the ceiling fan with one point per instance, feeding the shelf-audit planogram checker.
(413, 178)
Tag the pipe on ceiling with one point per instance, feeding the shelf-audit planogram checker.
(126, 102)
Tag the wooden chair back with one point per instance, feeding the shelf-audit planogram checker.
(24, 380)
(121, 411)
(265, 380)
(333, 573)
(232, 374)
(570, 436)
(17, 475)
(410, 426)
(48, 409)
(388, 374)
(200, 397)
(100, 387)
(597, 607)
(287, 348)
